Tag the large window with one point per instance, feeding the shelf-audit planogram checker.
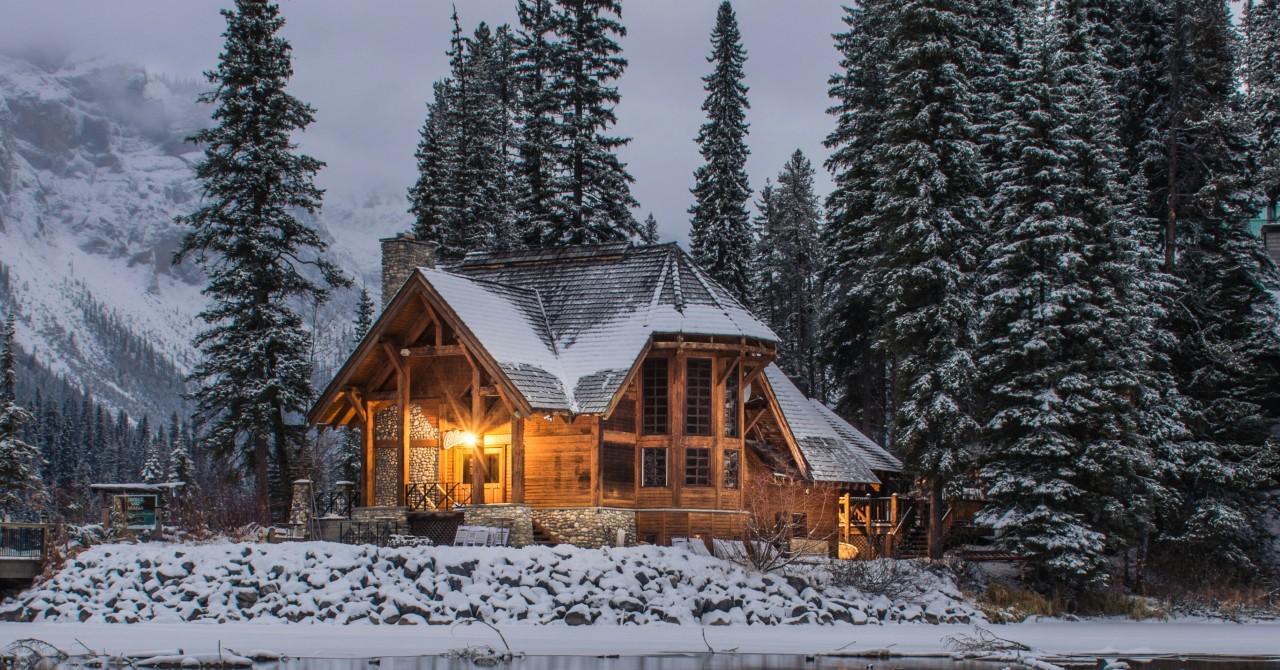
(655, 397)
(731, 404)
(697, 403)
(653, 467)
(697, 467)
(731, 468)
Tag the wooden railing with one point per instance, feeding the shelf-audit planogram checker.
(436, 496)
(25, 540)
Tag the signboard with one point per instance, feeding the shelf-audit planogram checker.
(139, 510)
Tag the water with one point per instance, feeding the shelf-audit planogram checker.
(734, 662)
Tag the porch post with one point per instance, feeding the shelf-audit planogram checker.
(477, 461)
(406, 425)
(369, 464)
(517, 460)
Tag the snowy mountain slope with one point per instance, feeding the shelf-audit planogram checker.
(93, 170)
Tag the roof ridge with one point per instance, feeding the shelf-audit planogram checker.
(707, 285)
(676, 289)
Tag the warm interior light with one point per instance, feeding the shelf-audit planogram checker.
(468, 438)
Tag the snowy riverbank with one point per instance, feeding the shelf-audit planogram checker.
(1048, 639)
(333, 583)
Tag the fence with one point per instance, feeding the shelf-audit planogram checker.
(24, 540)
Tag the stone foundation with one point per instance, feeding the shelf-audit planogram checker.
(588, 526)
(300, 506)
(519, 518)
(386, 480)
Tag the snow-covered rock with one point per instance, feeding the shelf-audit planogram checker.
(324, 582)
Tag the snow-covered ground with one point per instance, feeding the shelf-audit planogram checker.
(324, 582)
(1091, 638)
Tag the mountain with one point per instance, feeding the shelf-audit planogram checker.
(93, 170)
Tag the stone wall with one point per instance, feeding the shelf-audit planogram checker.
(386, 481)
(588, 526)
(519, 518)
(424, 464)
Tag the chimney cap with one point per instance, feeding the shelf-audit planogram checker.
(410, 237)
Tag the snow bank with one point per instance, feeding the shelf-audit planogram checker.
(324, 582)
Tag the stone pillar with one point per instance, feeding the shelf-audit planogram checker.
(400, 256)
(300, 509)
(344, 494)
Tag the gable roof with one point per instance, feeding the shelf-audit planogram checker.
(567, 325)
(833, 449)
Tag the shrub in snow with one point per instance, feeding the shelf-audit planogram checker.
(324, 582)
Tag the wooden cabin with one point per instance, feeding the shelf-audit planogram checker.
(594, 395)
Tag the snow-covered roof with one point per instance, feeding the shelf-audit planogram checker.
(567, 325)
(833, 449)
(141, 487)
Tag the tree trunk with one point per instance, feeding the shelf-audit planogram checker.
(261, 483)
(935, 519)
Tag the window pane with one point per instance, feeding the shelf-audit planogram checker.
(731, 404)
(619, 464)
(655, 467)
(731, 468)
(697, 417)
(655, 396)
(697, 467)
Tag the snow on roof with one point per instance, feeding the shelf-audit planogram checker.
(834, 450)
(566, 325)
(157, 487)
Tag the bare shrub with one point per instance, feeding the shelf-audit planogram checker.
(784, 523)
(892, 578)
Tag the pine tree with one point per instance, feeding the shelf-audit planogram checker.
(1228, 359)
(461, 200)
(720, 229)
(1045, 324)
(592, 193)
(153, 465)
(254, 375)
(364, 315)
(182, 467)
(858, 367)
(1263, 79)
(21, 488)
(791, 261)
(650, 234)
(928, 221)
(537, 51)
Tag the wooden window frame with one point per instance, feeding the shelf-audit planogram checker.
(697, 466)
(646, 388)
(645, 483)
(700, 407)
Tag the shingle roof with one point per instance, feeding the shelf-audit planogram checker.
(834, 450)
(566, 325)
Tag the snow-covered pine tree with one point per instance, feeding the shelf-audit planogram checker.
(858, 368)
(182, 468)
(720, 238)
(1228, 360)
(254, 374)
(1137, 415)
(650, 234)
(364, 315)
(461, 200)
(536, 52)
(153, 465)
(21, 488)
(431, 198)
(1063, 458)
(1263, 79)
(592, 199)
(929, 221)
(791, 261)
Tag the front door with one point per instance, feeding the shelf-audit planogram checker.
(494, 473)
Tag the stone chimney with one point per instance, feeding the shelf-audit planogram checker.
(400, 255)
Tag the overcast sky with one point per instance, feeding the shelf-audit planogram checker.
(367, 67)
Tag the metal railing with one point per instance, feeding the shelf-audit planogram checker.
(436, 496)
(24, 540)
(337, 503)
